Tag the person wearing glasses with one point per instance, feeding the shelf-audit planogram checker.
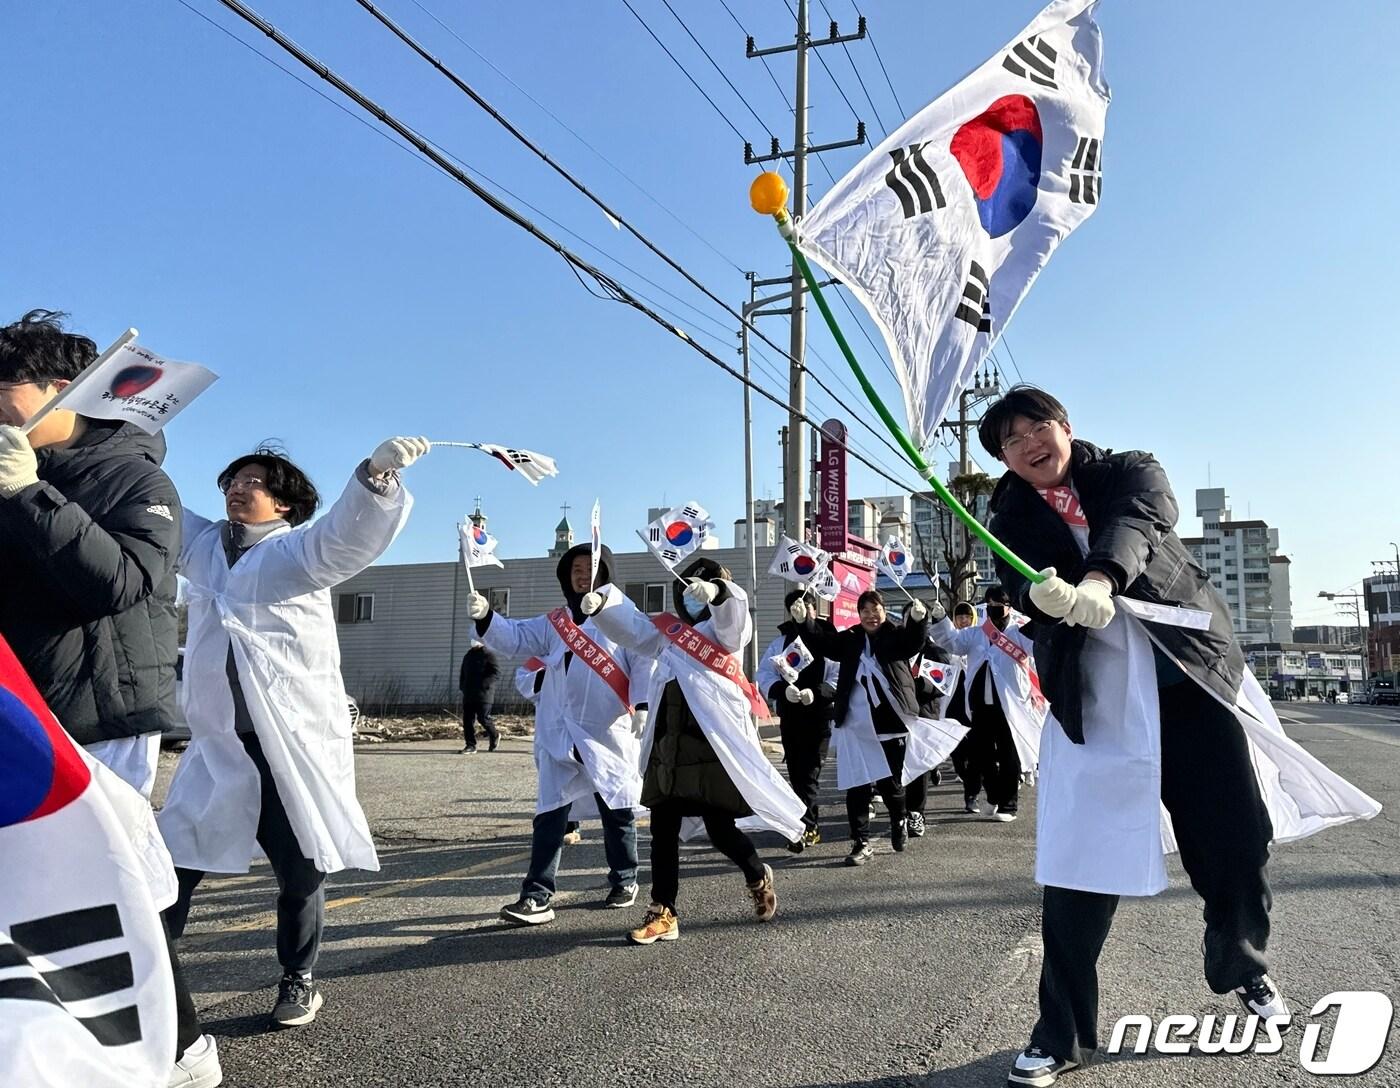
(1160, 736)
(270, 761)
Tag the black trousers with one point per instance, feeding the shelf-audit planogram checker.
(666, 848)
(891, 791)
(916, 794)
(1223, 830)
(995, 754)
(187, 1026)
(968, 767)
(805, 742)
(301, 898)
(475, 709)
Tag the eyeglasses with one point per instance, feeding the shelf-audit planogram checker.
(1017, 442)
(245, 483)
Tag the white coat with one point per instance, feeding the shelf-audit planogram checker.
(720, 708)
(576, 710)
(274, 606)
(1100, 822)
(1013, 683)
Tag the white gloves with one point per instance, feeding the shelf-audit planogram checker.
(799, 611)
(701, 593)
(639, 722)
(936, 611)
(795, 694)
(1093, 604)
(590, 603)
(394, 454)
(917, 611)
(477, 606)
(18, 466)
(1054, 596)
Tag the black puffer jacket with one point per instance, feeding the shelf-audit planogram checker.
(88, 593)
(892, 647)
(1131, 512)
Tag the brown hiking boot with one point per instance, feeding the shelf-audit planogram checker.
(765, 899)
(660, 924)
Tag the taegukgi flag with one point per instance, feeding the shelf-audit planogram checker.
(136, 386)
(86, 991)
(941, 230)
(478, 546)
(531, 465)
(944, 677)
(794, 658)
(895, 560)
(796, 561)
(677, 533)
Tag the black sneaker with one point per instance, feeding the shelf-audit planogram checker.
(1038, 1069)
(1260, 996)
(798, 844)
(916, 825)
(469, 751)
(494, 741)
(899, 835)
(621, 897)
(527, 912)
(298, 1001)
(860, 853)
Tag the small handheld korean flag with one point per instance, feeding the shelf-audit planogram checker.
(531, 465)
(895, 560)
(86, 991)
(133, 385)
(677, 533)
(794, 658)
(943, 677)
(797, 562)
(825, 585)
(478, 546)
(595, 536)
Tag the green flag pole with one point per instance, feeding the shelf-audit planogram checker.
(768, 195)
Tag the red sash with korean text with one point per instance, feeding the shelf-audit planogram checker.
(1065, 502)
(591, 654)
(704, 652)
(998, 639)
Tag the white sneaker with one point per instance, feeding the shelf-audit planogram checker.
(1260, 996)
(1038, 1069)
(1001, 817)
(199, 1066)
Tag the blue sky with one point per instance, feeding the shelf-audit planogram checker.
(1228, 307)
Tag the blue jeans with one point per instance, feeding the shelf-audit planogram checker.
(547, 844)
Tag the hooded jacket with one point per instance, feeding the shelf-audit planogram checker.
(88, 594)
(1131, 511)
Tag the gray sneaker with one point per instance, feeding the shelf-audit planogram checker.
(298, 1001)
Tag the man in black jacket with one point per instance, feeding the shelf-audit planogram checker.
(89, 537)
(478, 683)
(1099, 525)
(804, 718)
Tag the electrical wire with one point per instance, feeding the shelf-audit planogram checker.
(822, 60)
(699, 45)
(888, 82)
(846, 47)
(609, 286)
(764, 60)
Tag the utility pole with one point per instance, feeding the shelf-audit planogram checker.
(983, 388)
(794, 486)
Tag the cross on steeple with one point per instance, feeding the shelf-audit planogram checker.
(566, 508)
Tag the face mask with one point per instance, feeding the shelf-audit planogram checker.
(996, 611)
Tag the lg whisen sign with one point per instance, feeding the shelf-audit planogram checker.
(831, 506)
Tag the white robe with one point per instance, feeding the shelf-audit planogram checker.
(717, 703)
(274, 606)
(860, 759)
(1101, 824)
(576, 710)
(1012, 682)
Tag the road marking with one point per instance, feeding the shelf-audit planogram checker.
(1348, 729)
(268, 919)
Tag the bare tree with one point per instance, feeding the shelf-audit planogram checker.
(957, 546)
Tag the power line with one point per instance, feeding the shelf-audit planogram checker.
(852, 61)
(766, 67)
(610, 286)
(567, 128)
(761, 123)
(686, 73)
(458, 82)
(841, 90)
(888, 82)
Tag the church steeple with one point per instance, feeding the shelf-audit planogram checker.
(563, 535)
(477, 518)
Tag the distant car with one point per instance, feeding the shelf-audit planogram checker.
(1384, 696)
(1343, 697)
(180, 729)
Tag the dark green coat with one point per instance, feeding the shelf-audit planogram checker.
(683, 768)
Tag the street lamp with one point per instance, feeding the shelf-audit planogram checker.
(1356, 612)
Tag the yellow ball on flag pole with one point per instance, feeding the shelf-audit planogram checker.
(769, 193)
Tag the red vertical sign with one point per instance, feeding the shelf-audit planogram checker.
(831, 510)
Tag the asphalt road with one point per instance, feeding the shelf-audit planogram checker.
(919, 969)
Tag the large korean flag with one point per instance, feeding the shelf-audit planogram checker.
(942, 229)
(87, 999)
